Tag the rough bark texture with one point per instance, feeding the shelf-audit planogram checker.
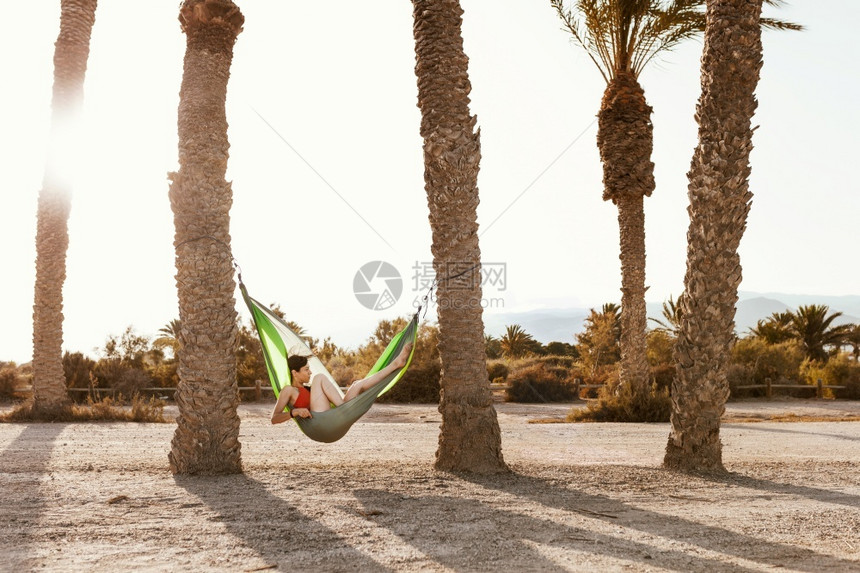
(206, 440)
(625, 139)
(719, 204)
(470, 439)
(71, 53)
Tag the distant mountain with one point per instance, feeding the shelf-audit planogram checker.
(545, 325)
(753, 307)
(751, 310)
(846, 304)
(562, 324)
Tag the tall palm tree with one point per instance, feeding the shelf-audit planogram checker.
(470, 439)
(206, 440)
(813, 327)
(719, 204)
(71, 53)
(621, 37)
(516, 342)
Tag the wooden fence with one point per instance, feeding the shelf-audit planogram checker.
(257, 390)
(578, 386)
(768, 386)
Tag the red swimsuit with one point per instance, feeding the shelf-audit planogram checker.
(304, 399)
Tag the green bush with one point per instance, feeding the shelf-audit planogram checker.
(420, 385)
(838, 371)
(852, 383)
(660, 345)
(540, 383)
(497, 369)
(775, 361)
(662, 375)
(742, 375)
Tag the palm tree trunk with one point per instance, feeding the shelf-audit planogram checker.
(470, 439)
(206, 440)
(71, 53)
(625, 139)
(719, 204)
(635, 370)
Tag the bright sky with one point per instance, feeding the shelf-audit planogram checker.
(327, 167)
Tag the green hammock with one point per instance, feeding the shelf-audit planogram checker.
(278, 342)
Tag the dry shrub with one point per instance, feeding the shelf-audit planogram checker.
(343, 374)
(132, 381)
(621, 403)
(147, 410)
(104, 410)
(539, 382)
(568, 362)
(606, 375)
(10, 380)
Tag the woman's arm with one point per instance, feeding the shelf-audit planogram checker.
(286, 396)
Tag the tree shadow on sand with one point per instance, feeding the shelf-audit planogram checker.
(818, 494)
(282, 536)
(679, 529)
(25, 462)
(773, 430)
(471, 535)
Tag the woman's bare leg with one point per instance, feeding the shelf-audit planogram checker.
(360, 386)
(324, 394)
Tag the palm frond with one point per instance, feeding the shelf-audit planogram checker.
(625, 35)
(773, 24)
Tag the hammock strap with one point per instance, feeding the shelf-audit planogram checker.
(437, 280)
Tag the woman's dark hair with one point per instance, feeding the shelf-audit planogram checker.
(297, 362)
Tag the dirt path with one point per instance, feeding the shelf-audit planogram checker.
(581, 497)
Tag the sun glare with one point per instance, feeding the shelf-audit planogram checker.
(66, 154)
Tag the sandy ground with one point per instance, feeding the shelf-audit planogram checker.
(580, 497)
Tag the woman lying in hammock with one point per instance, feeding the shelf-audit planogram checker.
(322, 393)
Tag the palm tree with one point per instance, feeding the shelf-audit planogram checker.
(516, 342)
(599, 343)
(775, 329)
(470, 439)
(493, 346)
(719, 204)
(671, 322)
(206, 440)
(169, 337)
(71, 53)
(621, 37)
(813, 328)
(852, 339)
